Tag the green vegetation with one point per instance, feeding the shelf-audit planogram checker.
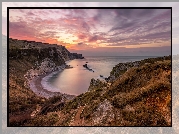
(43, 120)
(139, 95)
(89, 110)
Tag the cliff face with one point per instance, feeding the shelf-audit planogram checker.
(21, 48)
(27, 60)
(121, 68)
(135, 94)
(138, 96)
(44, 57)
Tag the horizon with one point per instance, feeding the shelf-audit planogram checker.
(101, 55)
(96, 31)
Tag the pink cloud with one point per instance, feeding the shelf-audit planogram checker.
(82, 36)
(89, 26)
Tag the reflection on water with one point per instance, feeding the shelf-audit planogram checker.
(76, 80)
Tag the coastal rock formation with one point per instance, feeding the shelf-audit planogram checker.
(121, 68)
(136, 93)
(86, 66)
(103, 113)
(139, 96)
(77, 56)
(20, 48)
(45, 66)
(43, 56)
(29, 60)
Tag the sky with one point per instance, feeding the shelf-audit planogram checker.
(95, 32)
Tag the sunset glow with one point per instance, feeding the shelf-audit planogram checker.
(94, 29)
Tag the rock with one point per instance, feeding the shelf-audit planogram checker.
(85, 65)
(77, 56)
(105, 109)
(68, 67)
(96, 84)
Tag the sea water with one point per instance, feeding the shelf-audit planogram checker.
(76, 80)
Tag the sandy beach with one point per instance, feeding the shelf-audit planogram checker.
(40, 89)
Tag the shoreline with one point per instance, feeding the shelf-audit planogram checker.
(40, 86)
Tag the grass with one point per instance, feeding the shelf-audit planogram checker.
(43, 120)
(147, 89)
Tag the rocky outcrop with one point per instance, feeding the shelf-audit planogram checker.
(20, 48)
(103, 113)
(121, 68)
(86, 66)
(41, 58)
(94, 84)
(44, 67)
(77, 56)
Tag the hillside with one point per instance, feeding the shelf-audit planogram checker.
(135, 94)
(28, 60)
(140, 96)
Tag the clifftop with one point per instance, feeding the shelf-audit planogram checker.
(140, 96)
(31, 47)
(136, 93)
(27, 60)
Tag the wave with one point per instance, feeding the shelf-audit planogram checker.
(47, 85)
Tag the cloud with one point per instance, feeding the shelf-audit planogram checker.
(21, 29)
(123, 26)
(85, 26)
(95, 27)
(81, 43)
(93, 39)
(82, 36)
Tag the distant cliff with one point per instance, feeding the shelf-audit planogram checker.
(27, 60)
(119, 69)
(136, 93)
(21, 48)
(139, 95)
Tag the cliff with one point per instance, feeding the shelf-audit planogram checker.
(22, 48)
(43, 57)
(121, 68)
(136, 93)
(138, 96)
(28, 60)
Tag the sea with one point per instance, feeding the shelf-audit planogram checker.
(76, 80)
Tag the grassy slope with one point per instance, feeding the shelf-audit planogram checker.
(22, 101)
(140, 97)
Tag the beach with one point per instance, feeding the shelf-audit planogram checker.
(40, 86)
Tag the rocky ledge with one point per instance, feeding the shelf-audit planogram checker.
(121, 68)
(43, 58)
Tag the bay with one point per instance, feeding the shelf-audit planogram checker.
(76, 80)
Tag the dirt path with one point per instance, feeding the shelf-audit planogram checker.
(76, 121)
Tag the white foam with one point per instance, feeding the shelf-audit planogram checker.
(36, 91)
(46, 84)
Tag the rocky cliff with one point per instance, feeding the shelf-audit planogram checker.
(22, 48)
(136, 93)
(28, 60)
(139, 95)
(121, 68)
(44, 57)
